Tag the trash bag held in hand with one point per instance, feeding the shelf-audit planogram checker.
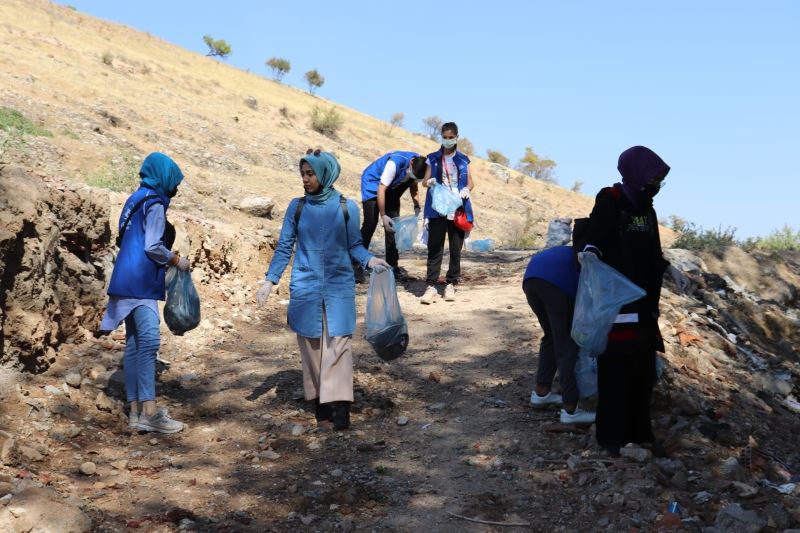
(182, 310)
(586, 374)
(386, 328)
(445, 200)
(405, 232)
(602, 291)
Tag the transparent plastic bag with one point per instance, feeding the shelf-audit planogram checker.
(182, 310)
(386, 328)
(602, 291)
(444, 200)
(586, 374)
(481, 245)
(405, 232)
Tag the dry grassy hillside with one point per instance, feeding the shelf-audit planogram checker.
(111, 94)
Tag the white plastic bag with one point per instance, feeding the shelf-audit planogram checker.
(602, 291)
(386, 328)
(405, 231)
(586, 374)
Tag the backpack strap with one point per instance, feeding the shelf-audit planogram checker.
(301, 202)
(133, 210)
(345, 211)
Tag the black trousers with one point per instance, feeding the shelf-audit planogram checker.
(626, 375)
(438, 228)
(554, 308)
(372, 218)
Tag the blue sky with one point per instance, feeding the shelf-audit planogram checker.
(712, 86)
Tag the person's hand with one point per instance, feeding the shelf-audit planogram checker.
(680, 279)
(589, 250)
(417, 211)
(263, 293)
(378, 265)
(183, 265)
(388, 223)
(431, 182)
(464, 193)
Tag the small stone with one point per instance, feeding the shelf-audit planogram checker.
(122, 464)
(744, 490)
(632, 451)
(55, 391)
(73, 431)
(735, 518)
(307, 519)
(573, 462)
(153, 441)
(337, 472)
(298, 430)
(314, 445)
(402, 420)
(269, 454)
(31, 454)
(103, 402)
(732, 470)
(439, 406)
(73, 379)
(88, 468)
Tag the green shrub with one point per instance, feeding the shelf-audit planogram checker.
(120, 176)
(694, 237)
(495, 156)
(108, 59)
(465, 146)
(279, 67)
(315, 80)
(326, 121)
(13, 121)
(780, 240)
(217, 47)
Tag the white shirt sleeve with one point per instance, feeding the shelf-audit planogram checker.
(389, 172)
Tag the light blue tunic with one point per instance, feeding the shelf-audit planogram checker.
(322, 274)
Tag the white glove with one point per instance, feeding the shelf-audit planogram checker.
(431, 182)
(417, 211)
(680, 279)
(388, 223)
(263, 293)
(378, 265)
(464, 193)
(183, 265)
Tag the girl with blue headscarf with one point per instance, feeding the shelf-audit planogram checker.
(138, 281)
(322, 230)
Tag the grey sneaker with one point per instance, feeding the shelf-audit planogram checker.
(429, 296)
(159, 423)
(133, 420)
(450, 293)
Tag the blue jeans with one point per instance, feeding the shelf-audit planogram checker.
(142, 340)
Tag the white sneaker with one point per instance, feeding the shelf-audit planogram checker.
(429, 296)
(159, 423)
(540, 402)
(578, 417)
(450, 293)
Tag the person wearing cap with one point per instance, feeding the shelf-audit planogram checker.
(622, 231)
(138, 281)
(321, 230)
(383, 184)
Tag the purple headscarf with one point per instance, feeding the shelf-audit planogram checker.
(639, 165)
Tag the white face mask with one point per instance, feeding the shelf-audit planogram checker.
(449, 143)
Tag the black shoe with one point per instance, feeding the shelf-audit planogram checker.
(323, 412)
(341, 415)
(400, 274)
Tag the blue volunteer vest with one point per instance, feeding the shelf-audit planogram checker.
(371, 177)
(435, 162)
(135, 275)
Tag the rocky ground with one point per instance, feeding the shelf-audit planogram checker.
(442, 438)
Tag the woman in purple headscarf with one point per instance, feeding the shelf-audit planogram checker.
(623, 232)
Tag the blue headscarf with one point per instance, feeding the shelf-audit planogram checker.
(160, 173)
(327, 169)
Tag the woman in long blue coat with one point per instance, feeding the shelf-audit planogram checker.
(322, 229)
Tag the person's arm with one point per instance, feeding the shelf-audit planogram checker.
(283, 252)
(602, 222)
(382, 199)
(154, 223)
(470, 182)
(428, 180)
(413, 190)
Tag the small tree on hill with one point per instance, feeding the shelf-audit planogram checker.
(314, 80)
(217, 47)
(498, 157)
(433, 126)
(536, 167)
(396, 120)
(279, 67)
(465, 146)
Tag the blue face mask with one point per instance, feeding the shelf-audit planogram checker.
(449, 143)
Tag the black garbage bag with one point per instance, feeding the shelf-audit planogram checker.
(386, 328)
(182, 310)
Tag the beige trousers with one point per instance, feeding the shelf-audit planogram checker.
(327, 366)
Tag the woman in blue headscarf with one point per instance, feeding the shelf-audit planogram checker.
(137, 282)
(323, 229)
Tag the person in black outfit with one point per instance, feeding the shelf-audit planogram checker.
(623, 232)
